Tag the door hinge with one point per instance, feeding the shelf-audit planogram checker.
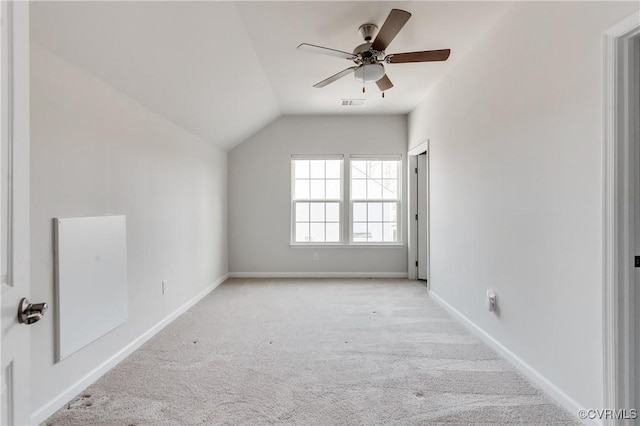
(416, 170)
(416, 217)
(637, 261)
(416, 263)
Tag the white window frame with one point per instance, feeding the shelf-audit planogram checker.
(398, 201)
(340, 201)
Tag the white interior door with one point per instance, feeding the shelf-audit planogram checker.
(14, 211)
(422, 228)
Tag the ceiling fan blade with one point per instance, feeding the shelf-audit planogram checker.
(425, 56)
(394, 23)
(334, 77)
(326, 51)
(384, 83)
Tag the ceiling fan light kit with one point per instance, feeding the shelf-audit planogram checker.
(369, 73)
(370, 55)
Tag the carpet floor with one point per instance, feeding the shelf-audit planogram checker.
(313, 352)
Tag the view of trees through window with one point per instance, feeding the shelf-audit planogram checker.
(374, 200)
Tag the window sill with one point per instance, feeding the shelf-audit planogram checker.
(347, 246)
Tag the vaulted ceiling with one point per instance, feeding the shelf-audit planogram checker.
(223, 70)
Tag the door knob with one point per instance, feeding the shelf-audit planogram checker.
(28, 313)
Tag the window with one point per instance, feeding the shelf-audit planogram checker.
(316, 199)
(375, 200)
(372, 188)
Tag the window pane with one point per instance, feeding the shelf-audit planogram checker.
(374, 189)
(317, 189)
(302, 232)
(317, 232)
(333, 232)
(374, 180)
(375, 231)
(333, 169)
(358, 169)
(375, 169)
(359, 189)
(359, 212)
(333, 189)
(390, 232)
(333, 212)
(390, 169)
(302, 189)
(359, 232)
(302, 212)
(375, 212)
(389, 189)
(390, 212)
(317, 212)
(301, 168)
(317, 169)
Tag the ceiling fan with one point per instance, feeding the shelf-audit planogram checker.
(369, 56)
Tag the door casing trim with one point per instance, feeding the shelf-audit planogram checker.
(619, 185)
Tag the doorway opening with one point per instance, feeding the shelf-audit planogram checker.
(418, 253)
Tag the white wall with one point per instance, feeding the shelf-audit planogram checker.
(95, 151)
(260, 194)
(516, 190)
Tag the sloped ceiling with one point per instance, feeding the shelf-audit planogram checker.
(223, 70)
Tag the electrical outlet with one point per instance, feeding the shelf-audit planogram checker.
(315, 256)
(165, 286)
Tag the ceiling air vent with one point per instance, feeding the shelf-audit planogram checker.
(352, 102)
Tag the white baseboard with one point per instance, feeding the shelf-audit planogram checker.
(42, 413)
(531, 373)
(317, 275)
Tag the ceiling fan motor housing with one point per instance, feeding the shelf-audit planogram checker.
(364, 54)
(362, 51)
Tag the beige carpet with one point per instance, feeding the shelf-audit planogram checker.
(313, 352)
